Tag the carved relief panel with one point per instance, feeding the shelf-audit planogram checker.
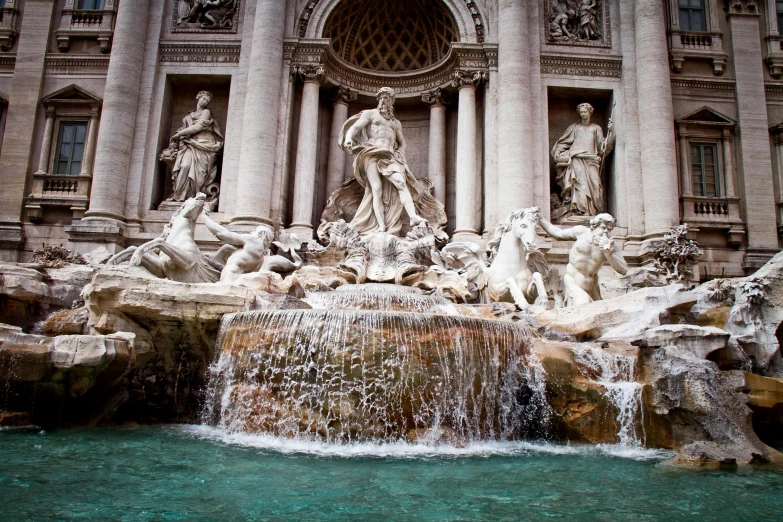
(577, 22)
(202, 16)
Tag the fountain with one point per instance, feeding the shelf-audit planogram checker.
(375, 363)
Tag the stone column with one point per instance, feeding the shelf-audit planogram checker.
(262, 107)
(336, 164)
(515, 111)
(46, 145)
(23, 102)
(437, 154)
(115, 140)
(686, 186)
(306, 152)
(89, 146)
(467, 191)
(754, 142)
(656, 119)
(728, 165)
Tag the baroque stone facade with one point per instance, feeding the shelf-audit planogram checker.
(484, 91)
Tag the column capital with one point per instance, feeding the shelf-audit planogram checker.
(744, 8)
(434, 98)
(466, 78)
(309, 73)
(345, 95)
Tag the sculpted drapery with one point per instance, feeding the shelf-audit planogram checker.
(578, 155)
(200, 140)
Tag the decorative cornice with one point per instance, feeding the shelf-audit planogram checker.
(461, 78)
(318, 52)
(773, 88)
(77, 60)
(7, 61)
(744, 8)
(582, 66)
(703, 83)
(199, 53)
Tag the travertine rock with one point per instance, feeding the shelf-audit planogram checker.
(624, 317)
(698, 340)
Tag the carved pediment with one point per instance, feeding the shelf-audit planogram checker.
(707, 116)
(71, 94)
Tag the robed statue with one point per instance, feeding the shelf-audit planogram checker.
(579, 156)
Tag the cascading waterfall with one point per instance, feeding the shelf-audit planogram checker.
(357, 375)
(616, 373)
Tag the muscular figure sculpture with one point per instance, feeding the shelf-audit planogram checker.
(251, 248)
(374, 138)
(592, 247)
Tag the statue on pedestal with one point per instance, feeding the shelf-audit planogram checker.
(374, 137)
(579, 159)
(193, 153)
(591, 249)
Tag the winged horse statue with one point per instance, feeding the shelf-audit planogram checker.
(175, 255)
(514, 270)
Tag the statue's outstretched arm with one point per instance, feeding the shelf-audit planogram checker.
(222, 233)
(557, 232)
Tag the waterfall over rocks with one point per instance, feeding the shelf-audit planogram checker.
(369, 371)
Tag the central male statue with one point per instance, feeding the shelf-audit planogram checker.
(374, 138)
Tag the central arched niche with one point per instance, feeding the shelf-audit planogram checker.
(391, 35)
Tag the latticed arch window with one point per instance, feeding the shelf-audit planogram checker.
(391, 35)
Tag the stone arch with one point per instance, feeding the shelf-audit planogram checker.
(470, 18)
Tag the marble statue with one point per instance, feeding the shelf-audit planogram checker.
(592, 247)
(374, 137)
(515, 269)
(193, 151)
(575, 21)
(249, 252)
(579, 156)
(588, 20)
(174, 254)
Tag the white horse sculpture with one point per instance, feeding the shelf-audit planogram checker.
(174, 255)
(515, 269)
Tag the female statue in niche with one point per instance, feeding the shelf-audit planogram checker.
(193, 150)
(578, 156)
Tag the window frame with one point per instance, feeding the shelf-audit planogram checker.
(101, 8)
(716, 155)
(691, 10)
(54, 151)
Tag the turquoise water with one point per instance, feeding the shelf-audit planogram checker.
(194, 473)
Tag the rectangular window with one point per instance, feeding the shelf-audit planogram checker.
(693, 15)
(779, 9)
(70, 147)
(704, 170)
(92, 4)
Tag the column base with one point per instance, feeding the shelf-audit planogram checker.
(467, 235)
(11, 241)
(304, 232)
(90, 233)
(755, 258)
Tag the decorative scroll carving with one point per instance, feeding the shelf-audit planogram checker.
(578, 22)
(200, 16)
(308, 73)
(474, 78)
(434, 97)
(744, 7)
(345, 95)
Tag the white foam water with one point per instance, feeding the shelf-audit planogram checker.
(404, 450)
